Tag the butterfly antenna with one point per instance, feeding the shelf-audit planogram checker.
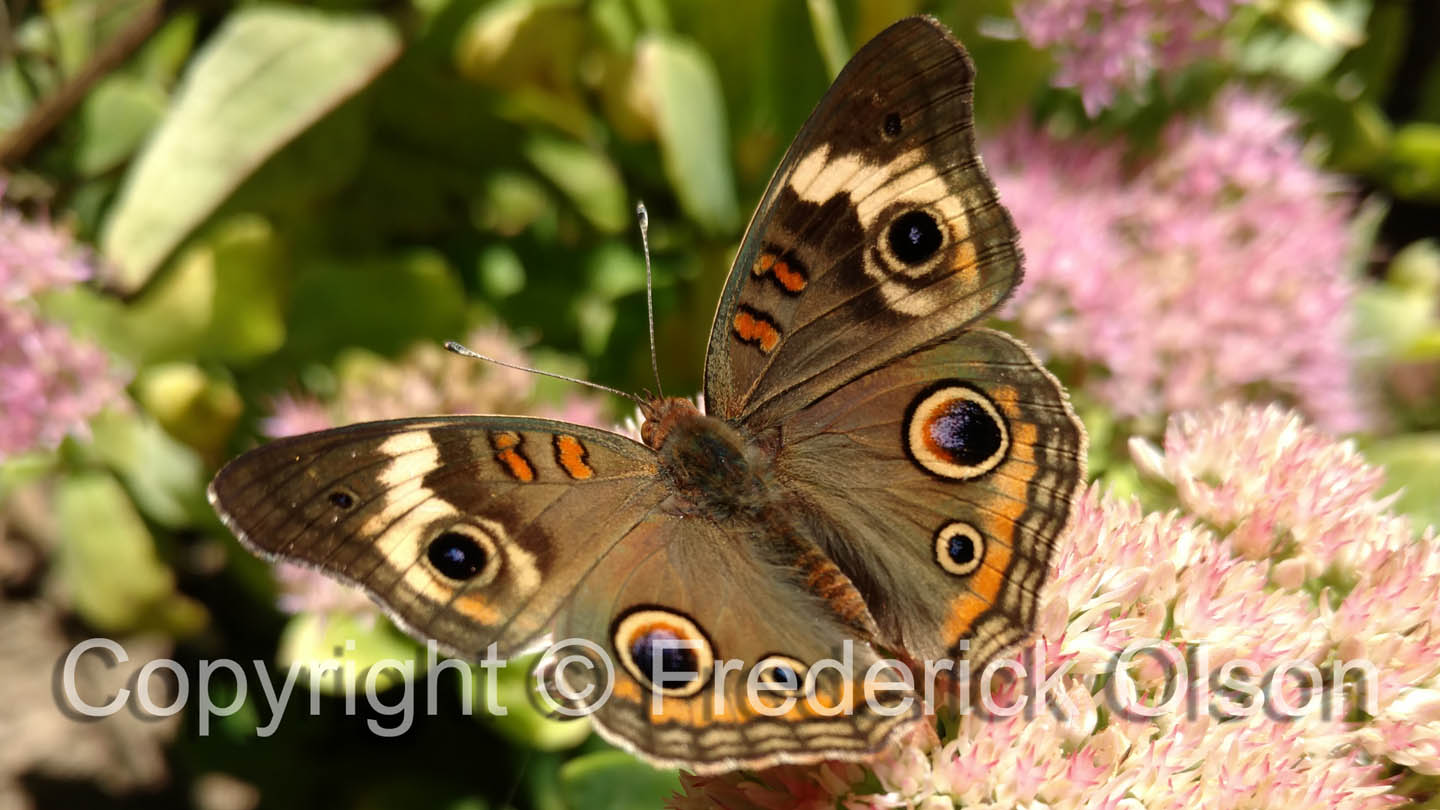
(649, 292)
(464, 352)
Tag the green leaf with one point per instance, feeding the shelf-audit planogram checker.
(615, 271)
(501, 272)
(1398, 316)
(829, 35)
(1391, 319)
(246, 317)
(266, 76)
(166, 477)
(109, 565)
(384, 304)
(616, 781)
(165, 52)
(1308, 40)
(522, 722)
(1412, 467)
(681, 83)
(515, 42)
(594, 317)
(586, 176)
(192, 407)
(346, 646)
(1414, 160)
(114, 120)
(221, 299)
(509, 202)
(16, 96)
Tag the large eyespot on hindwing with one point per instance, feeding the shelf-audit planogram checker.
(953, 430)
(664, 649)
(464, 554)
(959, 548)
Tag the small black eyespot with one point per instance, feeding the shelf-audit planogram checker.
(342, 499)
(892, 125)
(961, 549)
(782, 676)
(456, 555)
(677, 662)
(914, 237)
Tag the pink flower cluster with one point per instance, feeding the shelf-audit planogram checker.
(1332, 577)
(1216, 270)
(1104, 47)
(50, 382)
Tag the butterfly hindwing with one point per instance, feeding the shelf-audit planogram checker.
(879, 232)
(468, 530)
(942, 481)
(706, 585)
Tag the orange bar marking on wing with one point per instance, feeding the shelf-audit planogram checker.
(755, 329)
(573, 458)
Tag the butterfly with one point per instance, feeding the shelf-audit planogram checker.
(873, 475)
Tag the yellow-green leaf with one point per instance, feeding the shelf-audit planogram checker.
(266, 76)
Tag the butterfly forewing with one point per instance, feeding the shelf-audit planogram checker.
(880, 232)
(469, 530)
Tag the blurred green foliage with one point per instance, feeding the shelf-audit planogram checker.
(272, 185)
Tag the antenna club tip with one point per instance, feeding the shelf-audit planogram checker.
(460, 349)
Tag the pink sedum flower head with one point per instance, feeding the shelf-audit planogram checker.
(35, 257)
(1105, 47)
(1193, 586)
(295, 414)
(50, 382)
(1215, 271)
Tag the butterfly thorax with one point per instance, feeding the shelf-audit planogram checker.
(713, 469)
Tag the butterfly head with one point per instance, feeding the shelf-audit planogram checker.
(662, 414)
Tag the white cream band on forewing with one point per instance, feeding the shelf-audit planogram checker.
(876, 188)
(404, 524)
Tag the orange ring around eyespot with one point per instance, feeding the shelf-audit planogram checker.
(919, 435)
(639, 621)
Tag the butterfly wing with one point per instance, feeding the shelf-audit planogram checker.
(468, 530)
(480, 530)
(879, 233)
(939, 484)
(704, 584)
